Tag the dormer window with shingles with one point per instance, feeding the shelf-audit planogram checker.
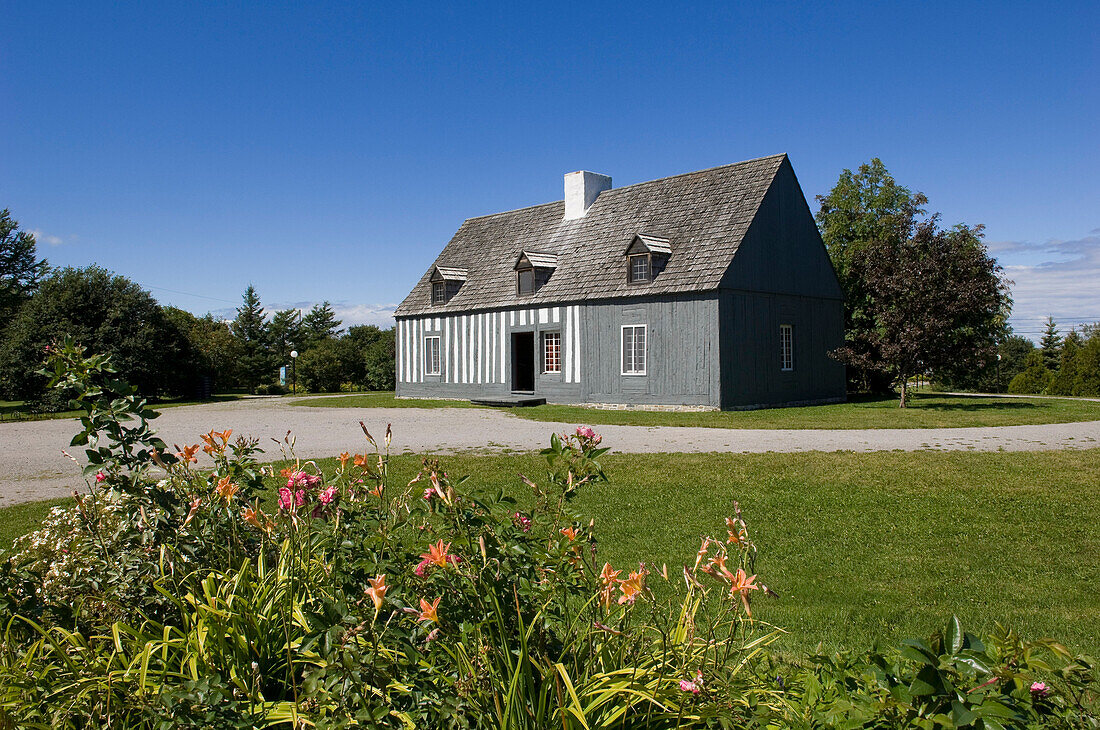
(533, 269)
(646, 257)
(446, 281)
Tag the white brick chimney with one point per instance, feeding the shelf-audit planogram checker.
(581, 190)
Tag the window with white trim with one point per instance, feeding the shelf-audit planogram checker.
(431, 355)
(439, 292)
(634, 349)
(551, 352)
(786, 347)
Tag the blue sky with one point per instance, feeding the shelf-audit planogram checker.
(328, 151)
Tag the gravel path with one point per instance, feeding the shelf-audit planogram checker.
(32, 466)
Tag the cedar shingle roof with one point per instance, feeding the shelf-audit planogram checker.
(703, 214)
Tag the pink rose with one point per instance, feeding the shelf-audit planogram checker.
(328, 495)
(100, 477)
(585, 432)
(1039, 689)
(286, 499)
(687, 686)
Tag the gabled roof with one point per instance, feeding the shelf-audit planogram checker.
(705, 213)
(536, 260)
(444, 273)
(653, 244)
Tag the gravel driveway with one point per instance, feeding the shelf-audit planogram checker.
(32, 466)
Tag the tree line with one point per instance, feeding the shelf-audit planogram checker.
(1060, 365)
(163, 350)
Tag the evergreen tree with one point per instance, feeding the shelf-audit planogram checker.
(254, 335)
(1051, 345)
(286, 334)
(20, 267)
(319, 324)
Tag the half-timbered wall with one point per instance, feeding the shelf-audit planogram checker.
(476, 352)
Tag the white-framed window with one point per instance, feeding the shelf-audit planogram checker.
(634, 349)
(551, 352)
(439, 292)
(639, 268)
(786, 347)
(431, 355)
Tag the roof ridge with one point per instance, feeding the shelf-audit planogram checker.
(632, 185)
(696, 172)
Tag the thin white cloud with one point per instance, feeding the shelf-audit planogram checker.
(350, 315)
(1056, 278)
(49, 239)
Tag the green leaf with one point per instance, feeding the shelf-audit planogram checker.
(954, 635)
(961, 714)
(927, 682)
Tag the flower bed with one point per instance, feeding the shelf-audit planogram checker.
(173, 599)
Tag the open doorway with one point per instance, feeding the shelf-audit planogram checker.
(523, 361)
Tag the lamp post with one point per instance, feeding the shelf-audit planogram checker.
(998, 372)
(294, 372)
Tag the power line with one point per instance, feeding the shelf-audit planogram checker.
(189, 294)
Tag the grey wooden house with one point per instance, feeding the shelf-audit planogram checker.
(710, 289)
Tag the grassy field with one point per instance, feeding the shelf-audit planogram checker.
(860, 546)
(928, 410)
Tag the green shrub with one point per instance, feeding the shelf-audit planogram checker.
(1034, 379)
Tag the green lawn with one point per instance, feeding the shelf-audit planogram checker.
(16, 410)
(927, 410)
(860, 546)
(380, 399)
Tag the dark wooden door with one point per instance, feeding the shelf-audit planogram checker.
(523, 361)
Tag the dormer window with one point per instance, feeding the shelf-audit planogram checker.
(445, 283)
(525, 282)
(646, 257)
(533, 269)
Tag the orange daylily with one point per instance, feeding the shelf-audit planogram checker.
(195, 503)
(570, 533)
(377, 591)
(437, 554)
(632, 586)
(607, 584)
(742, 584)
(251, 517)
(187, 454)
(344, 460)
(226, 489)
(360, 461)
(737, 532)
(211, 439)
(428, 611)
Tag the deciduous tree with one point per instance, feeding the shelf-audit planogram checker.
(864, 207)
(934, 300)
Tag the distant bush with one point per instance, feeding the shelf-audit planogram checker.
(1035, 377)
(271, 389)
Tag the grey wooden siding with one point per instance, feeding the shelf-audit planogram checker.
(750, 346)
(681, 351)
(782, 251)
(476, 352)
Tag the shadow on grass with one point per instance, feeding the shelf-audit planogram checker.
(934, 402)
